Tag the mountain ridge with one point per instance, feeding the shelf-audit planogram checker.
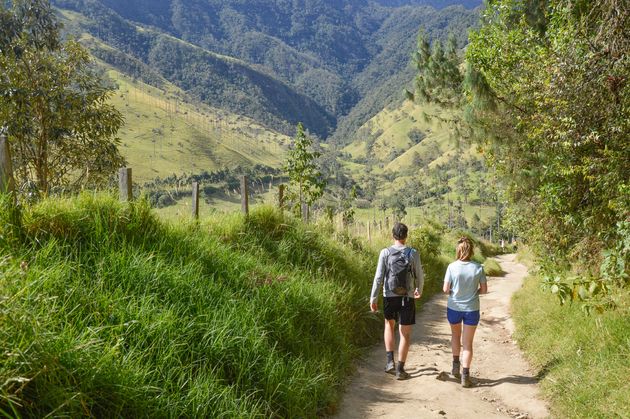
(312, 64)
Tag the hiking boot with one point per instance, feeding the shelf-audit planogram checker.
(390, 367)
(466, 381)
(455, 371)
(401, 374)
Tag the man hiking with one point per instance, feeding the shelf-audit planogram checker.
(400, 274)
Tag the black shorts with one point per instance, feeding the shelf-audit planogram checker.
(394, 309)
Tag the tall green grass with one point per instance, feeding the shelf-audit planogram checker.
(106, 311)
(583, 361)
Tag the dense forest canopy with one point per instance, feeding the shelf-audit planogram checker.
(312, 61)
(546, 94)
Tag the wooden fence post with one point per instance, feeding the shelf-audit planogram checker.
(244, 196)
(369, 235)
(195, 199)
(7, 184)
(305, 213)
(281, 197)
(125, 185)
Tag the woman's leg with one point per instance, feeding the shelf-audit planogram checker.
(467, 343)
(456, 338)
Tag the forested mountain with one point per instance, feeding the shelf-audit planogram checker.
(276, 61)
(438, 4)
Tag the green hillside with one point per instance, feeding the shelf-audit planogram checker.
(165, 135)
(277, 62)
(169, 132)
(209, 76)
(403, 155)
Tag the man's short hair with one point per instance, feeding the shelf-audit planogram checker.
(400, 231)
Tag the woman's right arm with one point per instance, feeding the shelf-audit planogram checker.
(483, 282)
(483, 288)
(447, 281)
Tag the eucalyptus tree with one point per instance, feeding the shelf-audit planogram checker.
(55, 109)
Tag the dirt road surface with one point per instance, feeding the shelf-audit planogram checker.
(505, 386)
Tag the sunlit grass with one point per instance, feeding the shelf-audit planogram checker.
(120, 314)
(163, 134)
(583, 361)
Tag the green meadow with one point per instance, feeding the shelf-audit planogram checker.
(164, 134)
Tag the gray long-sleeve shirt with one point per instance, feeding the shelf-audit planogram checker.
(414, 280)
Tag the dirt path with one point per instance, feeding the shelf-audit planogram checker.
(505, 387)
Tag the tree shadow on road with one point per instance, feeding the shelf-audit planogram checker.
(489, 382)
(420, 372)
(513, 379)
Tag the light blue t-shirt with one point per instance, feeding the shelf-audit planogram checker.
(464, 277)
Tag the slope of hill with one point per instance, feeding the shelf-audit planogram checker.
(406, 160)
(215, 79)
(164, 134)
(113, 313)
(274, 61)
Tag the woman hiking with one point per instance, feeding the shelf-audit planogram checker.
(463, 282)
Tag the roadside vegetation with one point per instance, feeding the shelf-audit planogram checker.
(107, 311)
(583, 360)
(545, 96)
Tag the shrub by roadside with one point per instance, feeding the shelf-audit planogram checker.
(583, 361)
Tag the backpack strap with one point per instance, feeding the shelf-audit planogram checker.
(407, 254)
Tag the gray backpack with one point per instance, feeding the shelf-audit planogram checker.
(398, 268)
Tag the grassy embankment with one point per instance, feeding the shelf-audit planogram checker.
(120, 314)
(108, 311)
(584, 361)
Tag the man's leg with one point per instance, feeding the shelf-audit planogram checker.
(390, 340)
(405, 341)
(390, 366)
(403, 349)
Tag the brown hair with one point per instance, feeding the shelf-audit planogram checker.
(464, 249)
(400, 231)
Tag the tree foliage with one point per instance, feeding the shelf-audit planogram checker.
(306, 183)
(547, 94)
(61, 128)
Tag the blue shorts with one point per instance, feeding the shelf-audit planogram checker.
(470, 318)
